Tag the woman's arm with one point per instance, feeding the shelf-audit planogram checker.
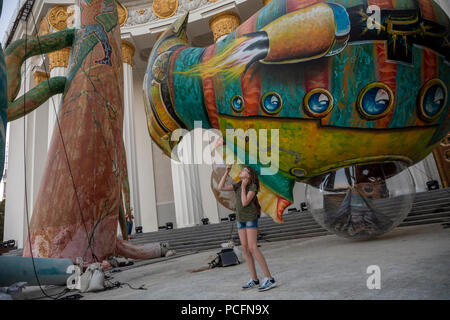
(246, 198)
(222, 186)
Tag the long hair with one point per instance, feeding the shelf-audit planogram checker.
(253, 178)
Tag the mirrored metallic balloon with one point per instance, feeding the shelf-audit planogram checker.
(225, 198)
(362, 201)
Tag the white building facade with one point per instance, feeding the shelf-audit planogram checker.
(161, 190)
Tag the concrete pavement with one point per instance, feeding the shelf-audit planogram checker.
(414, 263)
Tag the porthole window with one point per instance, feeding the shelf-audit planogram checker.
(271, 103)
(237, 103)
(375, 101)
(318, 103)
(432, 99)
(297, 172)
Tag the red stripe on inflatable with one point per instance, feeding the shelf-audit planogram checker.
(251, 91)
(429, 65)
(317, 75)
(427, 10)
(248, 26)
(387, 73)
(383, 4)
(292, 5)
(209, 93)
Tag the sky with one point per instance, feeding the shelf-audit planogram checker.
(9, 7)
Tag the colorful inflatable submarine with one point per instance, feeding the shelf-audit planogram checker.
(345, 85)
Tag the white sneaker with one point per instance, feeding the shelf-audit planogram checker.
(267, 284)
(252, 283)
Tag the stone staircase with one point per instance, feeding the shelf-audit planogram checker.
(428, 207)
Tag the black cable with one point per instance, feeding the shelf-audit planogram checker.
(118, 284)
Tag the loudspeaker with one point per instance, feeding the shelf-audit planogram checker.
(169, 225)
(432, 185)
(228, 258)
(232, 216)
(138, 229)
(303, 206)
(205, 221)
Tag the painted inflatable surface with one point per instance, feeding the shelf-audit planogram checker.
(84, 189)
(344, 86)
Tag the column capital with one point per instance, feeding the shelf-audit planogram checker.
(40, 76)
(224, 23)
(127, 52)
(59, 58)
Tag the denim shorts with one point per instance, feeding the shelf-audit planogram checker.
(248, 224)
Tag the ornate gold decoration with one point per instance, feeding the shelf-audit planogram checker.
(266, 2)
(127, 52)
(122, 13)
(44, 27)
(164, 8)
(224, 23)
(141, 11)
(59, 58)
(57, 17)
(40, 76)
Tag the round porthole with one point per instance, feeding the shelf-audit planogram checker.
(375, 100)
(432, 99)
(271, 103)
(318, 103)
(297, 172)
(237, 103)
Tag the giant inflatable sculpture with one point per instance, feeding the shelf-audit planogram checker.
(84, 188)
(358, 90)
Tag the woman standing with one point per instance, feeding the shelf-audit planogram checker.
(247, 222)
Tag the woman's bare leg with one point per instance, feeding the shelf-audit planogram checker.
(247, 254)
(252, 239)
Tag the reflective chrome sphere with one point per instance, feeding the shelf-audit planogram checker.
(362, 201)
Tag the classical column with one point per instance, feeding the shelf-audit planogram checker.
(186, 186)
(129, 136)
(425, 171)
(38, 141)
(224, 23)
(58, 61)
(58, 67)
